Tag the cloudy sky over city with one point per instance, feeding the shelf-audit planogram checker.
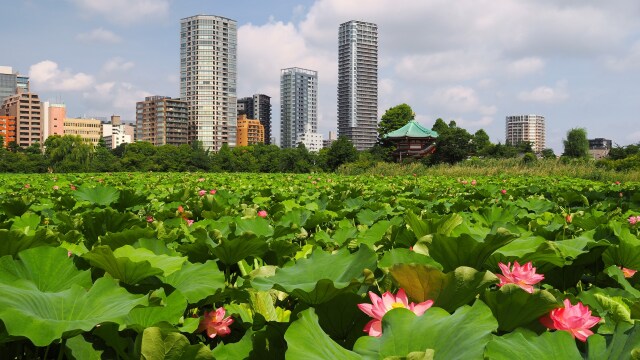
(576, 62)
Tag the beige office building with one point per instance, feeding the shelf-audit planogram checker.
(27, 109)
(88, 129)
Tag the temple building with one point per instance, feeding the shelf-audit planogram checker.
(412, 141)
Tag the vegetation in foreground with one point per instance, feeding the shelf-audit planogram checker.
(204, 266)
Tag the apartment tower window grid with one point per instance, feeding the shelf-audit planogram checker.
(208, 58)
(298, 105)
(358, 83)
(258, 107)
(526, 128)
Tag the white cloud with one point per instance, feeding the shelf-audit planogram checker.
(525, 66)
(546, 94)
(99, 35)
(117, 64)
(125, 11)
(459, 99)
(113, 97)
(46, 75)
(443, 67)
(628, 62)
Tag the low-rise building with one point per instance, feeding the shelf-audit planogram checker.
(311, 140)
(88, 129)
(27, 110)
(7, 129)
(162, 120)
(117, 133)
(249, 132)
(599, 147)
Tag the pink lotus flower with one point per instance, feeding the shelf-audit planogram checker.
(524, 276)
(503, 191)
(575, 319)
(149, 219)
(215, 323)
(202, 192)
(473, 182)
(464, 182)
(262, 213)
(634, 220)
(56, 187)
(617, 182)
(212, 191)
(189, 222)
(628, 273)
(26, 186)
(380, 306)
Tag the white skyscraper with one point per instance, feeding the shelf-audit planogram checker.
(526, 128)
(208, 50)
(298, 107)
(358, 83)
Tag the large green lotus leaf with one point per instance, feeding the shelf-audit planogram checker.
(231, 251)
(461, 335)
(610, 305)
(44, 317)
(623, 344)
(123, 268)
(238, 350)
(168, 264)
(126, 237)
(375, 233)
(520, 249)
(448, 291)
(525, 345)
(14, 241)
(616, 273)
(168, 309)
(469, 250)
(626, 254)
(99, 195)
(47, 269)
(369, 217)
(443, 226)
(80, 349)
(254, 226)
(342, 320)
(158, 345)
(26, 224)
(98, 222)
(197, 281)
(306, 340)
(406, 256)
(504, 302)
(322, 276)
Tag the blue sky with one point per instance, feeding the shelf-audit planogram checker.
(576, 62)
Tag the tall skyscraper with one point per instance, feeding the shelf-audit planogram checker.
(12, 83)
(257, 107)
(358, 83)
(298, 105)
(526, 128)
(162, 120)
(208, 49)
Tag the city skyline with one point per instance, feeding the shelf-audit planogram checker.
(577, 64)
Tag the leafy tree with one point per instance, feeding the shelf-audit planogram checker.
(139, 156)
(341, 152)
(439, 126)
(452, 145)
(576, 144)
(548, 154)
(394, 118)
(67, 153)
(502, 151)
(481, 141)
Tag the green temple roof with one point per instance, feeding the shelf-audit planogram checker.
(412, 130)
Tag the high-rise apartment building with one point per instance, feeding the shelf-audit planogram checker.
(250, 131)
(358, 83)
(27, 109)
(162, 120)
(298, 105)
(208, 49)
(526, 128)
(258, 107)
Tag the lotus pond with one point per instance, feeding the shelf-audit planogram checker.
(247, 266)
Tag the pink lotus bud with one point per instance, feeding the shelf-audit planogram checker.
(202, 192)
(212, 191)
(503, 191)
(262, 213)
(473, 182)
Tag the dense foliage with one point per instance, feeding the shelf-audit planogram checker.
(235, 266)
